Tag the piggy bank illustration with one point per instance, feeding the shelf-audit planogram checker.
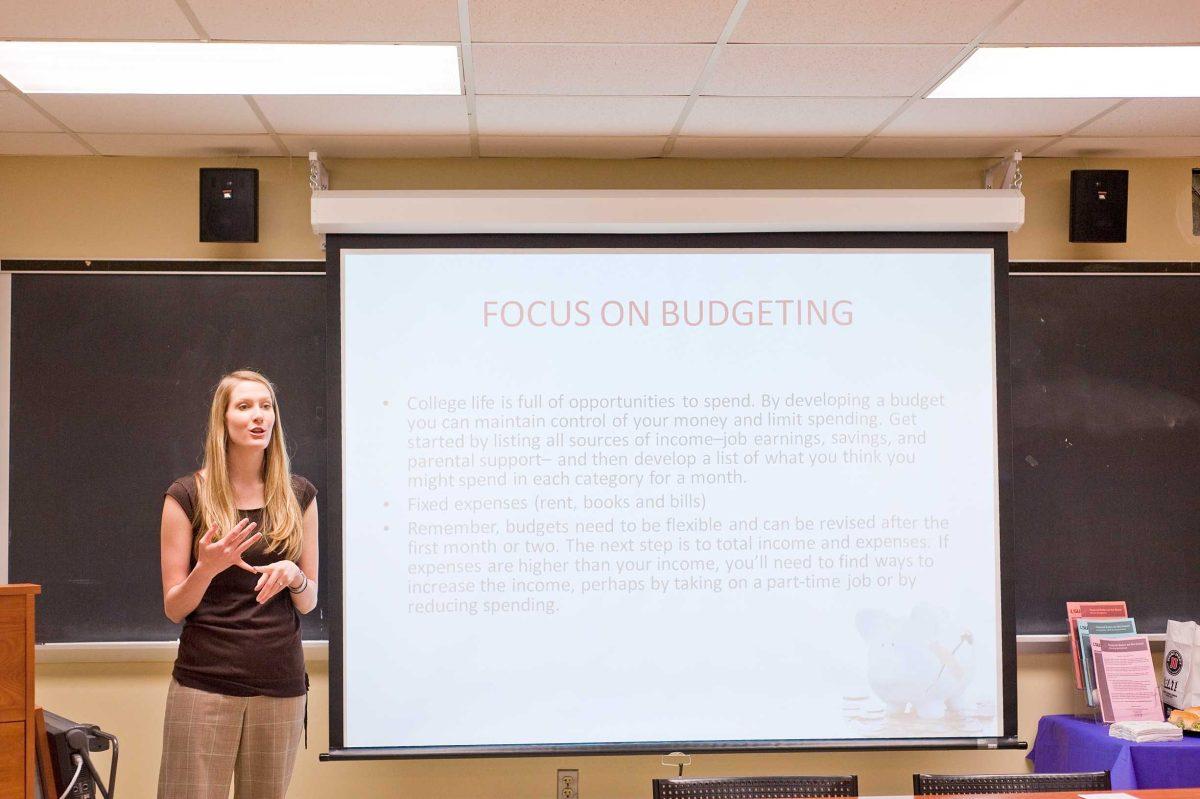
(923, 662)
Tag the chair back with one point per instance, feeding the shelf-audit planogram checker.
(755, 787)
(942, 784)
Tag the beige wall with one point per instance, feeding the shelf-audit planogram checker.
(108, 208)
(118, 208)
(127, 699)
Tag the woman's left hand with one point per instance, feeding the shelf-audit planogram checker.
(274, 577)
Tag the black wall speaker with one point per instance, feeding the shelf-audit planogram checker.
(229, 205)
(1099, 204)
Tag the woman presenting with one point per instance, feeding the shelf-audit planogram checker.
(239, 564)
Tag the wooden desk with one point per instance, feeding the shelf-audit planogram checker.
(17, 763)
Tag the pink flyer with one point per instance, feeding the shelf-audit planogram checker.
(1126, 679)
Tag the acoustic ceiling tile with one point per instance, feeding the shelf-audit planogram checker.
(765, 147)
(181, 146)
(570, 147)
(329, 20)
(863, 21)
(1100, 22)
(90, 20)
(146, 113)
(827, 70)
(1116, 147)
(1175, 117)
(947, 118)
(644, 69)
(505, 115)
(16, 115)
(362, 115)
(938, 147)
(40, 144)
(788, 116)
(629, 21)
(380, 146)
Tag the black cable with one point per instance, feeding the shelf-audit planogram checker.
(112, 769)
(78, 738)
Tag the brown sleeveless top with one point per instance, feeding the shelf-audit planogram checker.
(230, 644)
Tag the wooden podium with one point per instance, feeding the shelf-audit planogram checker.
(17, 764)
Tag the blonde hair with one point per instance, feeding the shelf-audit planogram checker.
(281, 526)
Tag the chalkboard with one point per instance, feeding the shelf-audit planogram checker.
(112, 373)
(1106, 444)
(111, 379)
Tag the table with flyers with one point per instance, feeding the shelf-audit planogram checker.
(1068, 743)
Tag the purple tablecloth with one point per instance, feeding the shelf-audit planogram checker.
(1067, 743)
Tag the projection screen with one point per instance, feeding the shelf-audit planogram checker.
(645, 493)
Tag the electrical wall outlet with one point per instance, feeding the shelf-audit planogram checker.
(568, 783)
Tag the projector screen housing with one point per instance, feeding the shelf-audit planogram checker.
(387, 621)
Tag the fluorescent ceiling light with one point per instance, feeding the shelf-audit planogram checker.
(229, 68)
(1022, 72)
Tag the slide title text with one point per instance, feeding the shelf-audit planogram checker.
(669, 313)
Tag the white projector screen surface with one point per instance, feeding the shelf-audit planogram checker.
(602, 497)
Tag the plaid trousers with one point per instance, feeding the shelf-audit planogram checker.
(210, 738)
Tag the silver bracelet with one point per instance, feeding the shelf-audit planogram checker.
(302, 587)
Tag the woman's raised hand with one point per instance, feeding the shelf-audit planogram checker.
(214, 557)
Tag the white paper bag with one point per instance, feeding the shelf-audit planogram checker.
(1181, 675)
